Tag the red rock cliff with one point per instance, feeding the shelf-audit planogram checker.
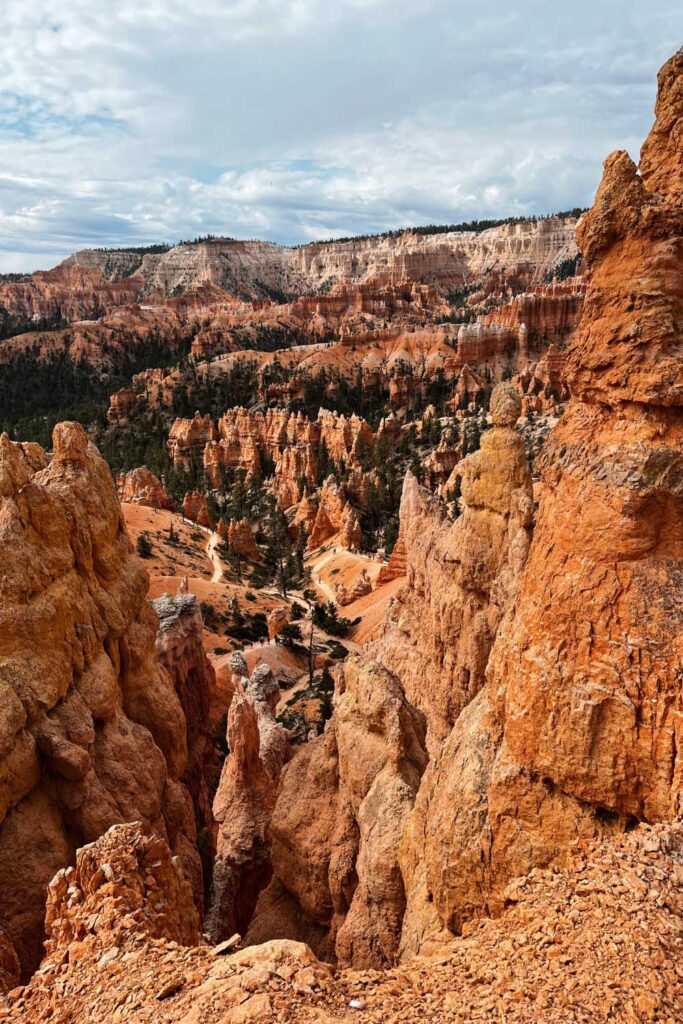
(461, 576)
(578, 729)
(93, 731)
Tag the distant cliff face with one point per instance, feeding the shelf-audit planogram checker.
(520, 252)
(71, 291)
(524, 251)
(92, 283)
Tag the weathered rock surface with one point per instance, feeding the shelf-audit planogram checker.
(239, 538)
(142, 487)
(577, 731)
(9, 965)
(71, 291)
(359, 588)
(245, 799)
(196, 508)
(335, 516)
(91, 283)
(254, 443)
(126, 880)
(123, 404)
(597, 942)
(341, 806)
(180, 652)
(188, 436)
(396, 566)
(93, 731)
(277, 618)
(461, 576)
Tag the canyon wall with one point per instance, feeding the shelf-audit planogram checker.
(340, 810)
(94, 284)
(244, 802)
(69, 292)
(577, 731)
(460, 576)
(93, 730)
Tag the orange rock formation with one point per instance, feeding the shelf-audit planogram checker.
(358, 589)
(598, 942)
(195, 507)
(335, 871)
(245, 799)
(239, 538)
(461, 576)
(94, 731)
(335, 516)
(576, 732)
(142, 487)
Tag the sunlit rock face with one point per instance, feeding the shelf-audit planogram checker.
(577, 731)
(93, 730)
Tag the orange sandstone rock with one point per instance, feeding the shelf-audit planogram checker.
(9, 964)
(340, 812)
(360, 587)
(240, 539)
(461, 576)
(577, 730)
(277, 618)
(188, 435)
(335, 516)
(195, 507)
(245, 799)
(142, 487)
(596, 942)
(93, 730)
(126, 879)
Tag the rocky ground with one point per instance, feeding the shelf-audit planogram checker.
(599, 941)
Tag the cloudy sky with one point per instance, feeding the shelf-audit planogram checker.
(131, 121)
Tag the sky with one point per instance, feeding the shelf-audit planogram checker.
(125, 122)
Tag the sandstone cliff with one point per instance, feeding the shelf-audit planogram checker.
(69, 292)
(245, 799)
(93, 731)
(181, 654)
(340, 811)
(577, 730)
(461, 576)
(549, 676)
(376, 277)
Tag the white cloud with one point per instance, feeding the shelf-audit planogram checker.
(292, 119)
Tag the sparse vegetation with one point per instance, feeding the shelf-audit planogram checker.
(143, 545)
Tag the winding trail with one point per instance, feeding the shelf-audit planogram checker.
(319, 583)
(212, 555)
(210, 549)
